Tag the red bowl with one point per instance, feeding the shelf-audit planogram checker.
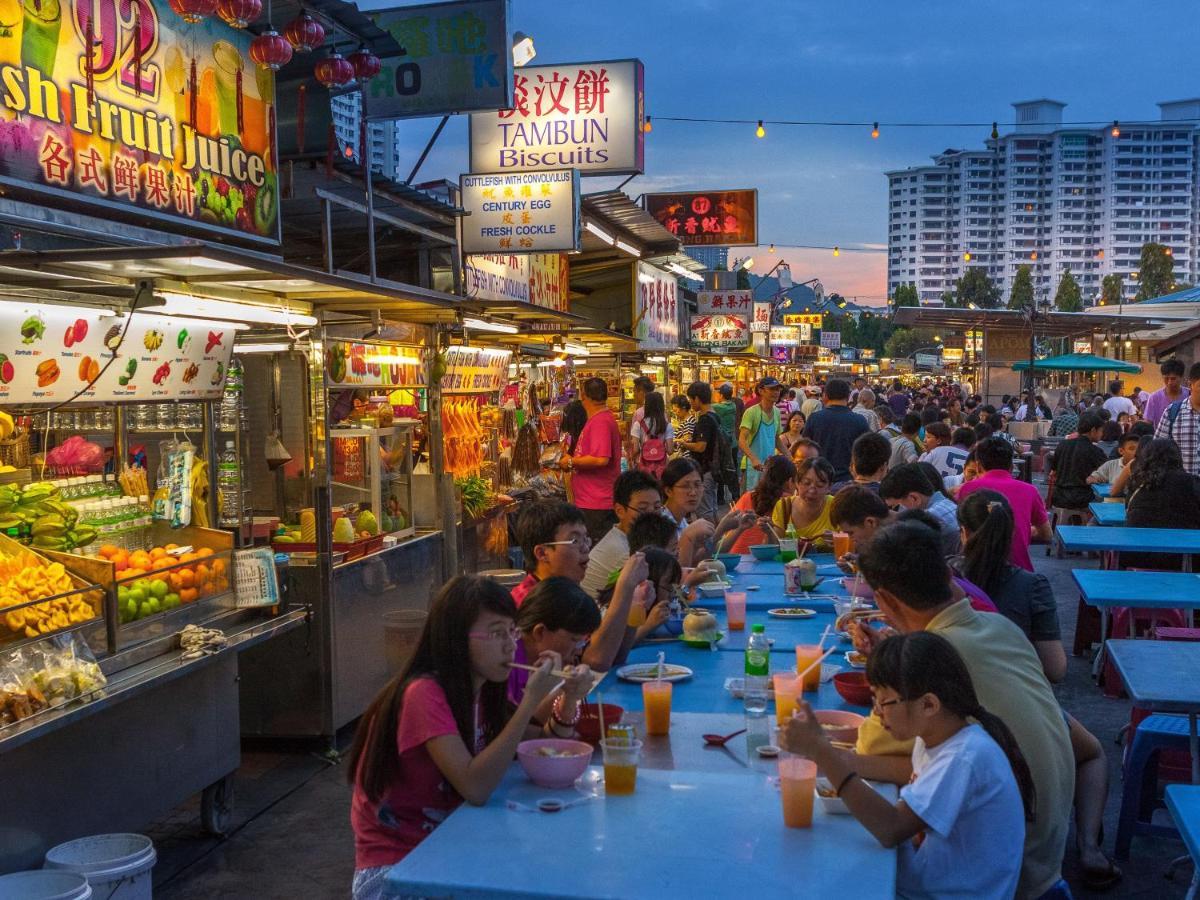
(588, 726)
(853, 688)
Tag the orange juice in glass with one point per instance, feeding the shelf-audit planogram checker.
(620, 765)
(656, 697)
(841, 544)
(806, 654)
(787, 689)
(797, 784)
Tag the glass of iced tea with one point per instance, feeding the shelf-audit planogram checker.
(620, 765)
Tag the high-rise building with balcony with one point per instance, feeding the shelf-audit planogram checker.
(1054, 197)
(381, 136)
(716, 258)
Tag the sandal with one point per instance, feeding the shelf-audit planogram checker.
(1102, 879)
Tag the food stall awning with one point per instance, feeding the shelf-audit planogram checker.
(1051, 324)
(106, 276)
(1078, 362)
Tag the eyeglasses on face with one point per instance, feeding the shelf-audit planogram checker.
(511, 633)
(580, 542)
(880, 705)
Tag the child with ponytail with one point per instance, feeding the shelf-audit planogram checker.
(960, 823)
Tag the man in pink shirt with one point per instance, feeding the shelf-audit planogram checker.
(995, 457)
(596, 462)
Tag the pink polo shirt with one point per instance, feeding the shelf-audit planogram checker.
(594, 487)
(1027, 506)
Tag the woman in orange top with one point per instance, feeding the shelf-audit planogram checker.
(749, 521)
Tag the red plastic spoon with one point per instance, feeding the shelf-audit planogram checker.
(717, 740)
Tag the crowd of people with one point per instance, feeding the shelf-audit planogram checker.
(922, 481)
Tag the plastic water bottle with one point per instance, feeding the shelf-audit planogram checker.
(145, 520)
(231, 397)
(229, 486)
(758, 665)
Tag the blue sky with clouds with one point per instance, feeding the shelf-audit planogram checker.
(913, 61)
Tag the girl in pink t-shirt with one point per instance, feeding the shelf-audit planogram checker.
(442, 731)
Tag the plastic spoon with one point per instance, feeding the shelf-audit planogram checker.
(720, 740)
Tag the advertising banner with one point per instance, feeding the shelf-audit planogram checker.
(370, 364)
(784, 336)
(655, 309)
(457, 59)
(720, 332)
(537, 278)
(811, 319)
(761, 323)
(49, 354)
(475, 369)
(738, 302)
(831, 340)
(156, 118)
(520, 212)
(585, 116)
(708, 218)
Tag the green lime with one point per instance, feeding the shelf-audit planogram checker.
(43, 10)
(158, 588)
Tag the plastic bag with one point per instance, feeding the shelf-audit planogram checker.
(76, 456)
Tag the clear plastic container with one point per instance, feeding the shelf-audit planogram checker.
(144, 416)
(165, 417)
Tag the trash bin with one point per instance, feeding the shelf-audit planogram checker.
(44, 885)
(117, 866)
(402, 631)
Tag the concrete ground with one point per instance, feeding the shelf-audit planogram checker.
(290, 835)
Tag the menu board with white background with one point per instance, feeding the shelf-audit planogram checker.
(48, 353)
(737, 302)
(520, 212)
(538, 278)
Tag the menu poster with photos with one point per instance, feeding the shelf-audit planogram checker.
(371, 364)
(720, 332)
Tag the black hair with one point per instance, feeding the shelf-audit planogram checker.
(983, 431)
(922, 662)
(939, 430)
(698, 390)
(821, 466)
(681, 401)
(930, 415)
(643, 384)
(910, 424)
(1127, 437)
(994, 453)
(837, 389)
(766, 495)
(853, 504)
(1172, 367)
(659, 563)
(869, 453)
(1142, 429)
(574, 417)
(677, 470)
(1194, 372)
(539, 524)
(962, 437)
(921, 517)
(629, 483)
(654, 415)
(988, 518)
(934, 477)
(905, 558)
(1114, 386)
(725, 390)
(650, 529)
(1110, 431)
(561, 605)
(596, 390)
(1088, 421)
(796, 415)
(800, 444)
(443, 653)
(1154, 460)
(903, 480)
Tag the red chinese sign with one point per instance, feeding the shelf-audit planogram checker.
(739, 302)
(720, 332)
(761, 323)
(709, 218)
(655, 309)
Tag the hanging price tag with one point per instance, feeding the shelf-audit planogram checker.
(255, 580)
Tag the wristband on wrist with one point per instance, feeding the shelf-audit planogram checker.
(845, 781)
(557, 713)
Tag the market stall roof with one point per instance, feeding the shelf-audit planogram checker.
(616, 210)
(1078, 362)
(1177, 339)
(107, 276)
(1051, 324)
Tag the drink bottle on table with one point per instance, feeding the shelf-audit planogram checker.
(758, 660)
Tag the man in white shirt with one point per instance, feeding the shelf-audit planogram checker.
(1116, 404)
(634, 493)
(866, 408)
(906, 487)
(945, 450)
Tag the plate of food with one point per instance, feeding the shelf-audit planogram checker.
(640, 672)
(856, 660)
(704, 641)
(791, 612)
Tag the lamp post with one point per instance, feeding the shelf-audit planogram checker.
(1034, 312)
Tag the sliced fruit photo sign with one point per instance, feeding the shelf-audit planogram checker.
(164, 119)
(48, 354)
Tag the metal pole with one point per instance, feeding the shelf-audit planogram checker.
(327, 233)
(424, 153)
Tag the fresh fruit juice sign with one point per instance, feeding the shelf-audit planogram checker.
(48, 355)
(165, 119)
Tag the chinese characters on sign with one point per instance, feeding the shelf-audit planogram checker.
(784, 336)
(475, 369)
(720, 332)
(761, 323)
(537, 278)
(715, 218)
(457, 59)
(169, 121)
(831, 340)
(739, 302)
(655, 309)
(585, 116)
(521, 212)
(811, 319)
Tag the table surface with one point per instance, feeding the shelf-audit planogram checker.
(1163, 676)
(1147, 590)
(1079, 538)
(1184, 802)
(1108, 513)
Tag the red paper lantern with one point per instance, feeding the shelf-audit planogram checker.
(192, 11)
(334, 71)
(271, 50)
(239, 13)
(304, 33)
(366, 64)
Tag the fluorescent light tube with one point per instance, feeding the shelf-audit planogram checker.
(209, 308)
(485, 325)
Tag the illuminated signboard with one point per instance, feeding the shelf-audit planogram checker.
(585, 116)
(812, 319)
(720, 332)
(520, 212)
(158, 118)
(708, 218)
(655, 309)
(761, 323)
(537, 278)
(739, 302)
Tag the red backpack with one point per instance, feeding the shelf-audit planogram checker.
(653, 457)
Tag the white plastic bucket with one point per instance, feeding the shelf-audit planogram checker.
(117, 866)
(42, 884)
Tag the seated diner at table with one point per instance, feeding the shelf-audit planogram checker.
(808, 511)
(737, 532)
(635, 492)
(652, 602)
(556, 617)
(554, 541)
(1162, 494)
(683, 488)
(995, 459)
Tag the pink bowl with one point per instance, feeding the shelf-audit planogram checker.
(839, 725)
(554, 771)
(864, 589)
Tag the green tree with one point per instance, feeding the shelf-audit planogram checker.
(906, 295)
(1067, 298)
(1156, 272)
(905, 341)
(1022, 289)
(976, 288)
(743, 279)
(1112, 290)
(948, 298)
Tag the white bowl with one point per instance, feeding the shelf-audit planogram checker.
(833, 804)
(712, 589)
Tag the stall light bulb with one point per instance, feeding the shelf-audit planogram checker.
(1116, 129)
(875, 130)
(995, 132)
(967, 256)
(647, 128)
(760, 131)
(837, 252)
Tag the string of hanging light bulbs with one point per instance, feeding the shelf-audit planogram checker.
(760, 125)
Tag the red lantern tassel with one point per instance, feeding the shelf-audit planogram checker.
(300, 119)
(330, 150)
(192, 100)
(240, 120)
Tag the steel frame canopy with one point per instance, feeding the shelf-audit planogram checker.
(1049, 324)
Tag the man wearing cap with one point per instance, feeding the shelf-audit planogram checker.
(758, 436)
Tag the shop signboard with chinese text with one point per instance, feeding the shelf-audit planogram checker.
(784, 336)
(831, 340)
(585, 116)
(457, 59)
(537, 278)
(520, 212)
(1082, 345)
(655, 309)
(952, 354)
(928, 360)
(475, 369)
(737, 302)
(48, 354)
(761, 322)
(719, 332)
(155, 118)
(811, 319)
(808, 351)
(708, 218)
(373, 364)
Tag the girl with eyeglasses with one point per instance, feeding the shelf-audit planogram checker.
(443, 731)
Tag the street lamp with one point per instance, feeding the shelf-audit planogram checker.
(1034, 312)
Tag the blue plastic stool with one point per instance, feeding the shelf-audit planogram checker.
(1139, 794)
(1060, 891)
